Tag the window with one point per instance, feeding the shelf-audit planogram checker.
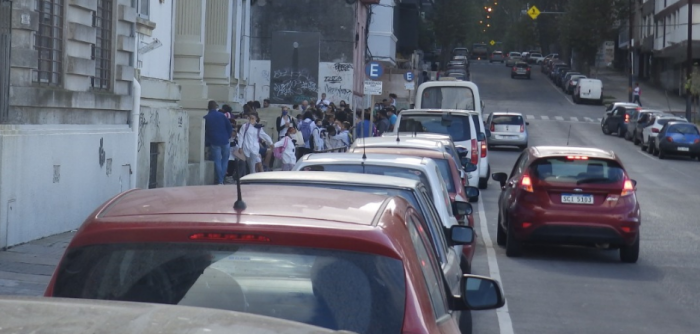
(508, 120)
(446, 172)
(49, 42)
(461, 98)
(459, 128)
(102, 50)
(435, 225)
(579, 171)
(143, 8)
(395, 171)
(429, 268)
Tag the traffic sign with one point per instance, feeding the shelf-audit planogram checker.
(492, 42)
(533, 12)
(408, 76)
(374, 70)
(373, 87)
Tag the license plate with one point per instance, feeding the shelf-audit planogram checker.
(506, 137)
(576, 199)
(684, 149)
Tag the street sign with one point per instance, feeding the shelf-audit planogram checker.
(374, 70)
(373, 87)
(410, 85)
(408, 76)
(533, 12)
(492, 42)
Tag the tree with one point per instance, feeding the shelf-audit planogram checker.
(453, 21)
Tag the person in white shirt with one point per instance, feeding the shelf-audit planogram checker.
(343, 134)
(635, 95)
(288, 155)
(392, 98)
(249, 142)
(310, 133)
(322, 103)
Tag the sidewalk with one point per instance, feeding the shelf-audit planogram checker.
(615, 84)
(26, 269)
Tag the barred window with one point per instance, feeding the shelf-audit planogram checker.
(102, 50)
(49, 42)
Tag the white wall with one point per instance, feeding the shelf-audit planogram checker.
(156, 63)
(382, 41)
(334, 79)
(167, 126)
(54, 176)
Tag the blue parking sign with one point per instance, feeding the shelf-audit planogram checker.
(408, 76)
(374, 70)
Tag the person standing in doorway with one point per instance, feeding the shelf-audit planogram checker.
(635, 94)
(217, 132)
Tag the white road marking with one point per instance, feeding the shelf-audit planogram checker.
(530, 117)
(600, 119)
(546, 118)
(559, 118)
(504, 321)
(588, 119)
(646, 154)
(574, 119)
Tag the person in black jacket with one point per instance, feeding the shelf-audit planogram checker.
(284, 122)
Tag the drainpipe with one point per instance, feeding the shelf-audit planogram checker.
(135, 116)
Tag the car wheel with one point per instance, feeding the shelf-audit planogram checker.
(662, 154)
(500, 233)
(650, 146)
(513, 246)
(604, 128)
(635, 138)
(483, 183)
(643, 146)
(619, 131)
(654, 150)
(630, 253)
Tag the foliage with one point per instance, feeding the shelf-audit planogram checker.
(693, 84)
(453, 22)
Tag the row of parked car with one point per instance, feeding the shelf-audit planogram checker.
(660, 133)
(581, 88)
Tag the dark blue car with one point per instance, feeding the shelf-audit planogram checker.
(678, 138)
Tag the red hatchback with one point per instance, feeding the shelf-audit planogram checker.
(569, 195)
(331, 258)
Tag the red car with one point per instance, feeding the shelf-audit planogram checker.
(337, 259)
(569, 195)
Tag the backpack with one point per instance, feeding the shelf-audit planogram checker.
(279, 151)
(305, 129)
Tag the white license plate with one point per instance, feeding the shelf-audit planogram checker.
(506, 137)
(684, 149)
(576, 199)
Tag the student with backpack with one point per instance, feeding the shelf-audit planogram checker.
(284, 150)
(249, 142)
(311, 134)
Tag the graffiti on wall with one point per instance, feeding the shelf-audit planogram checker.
(292, 86)
(294, 67)
(336, 81)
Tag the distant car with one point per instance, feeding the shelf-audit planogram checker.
(461, 58)
(616, 118)
(588, 90)
(496, 56)
(639, 121)
(513, 57)
(456, 65)
(677, 138)
(563, 78)
(507, 129)
(460, 52)
(535, 58)
(520, 69)
(570, 196)
(571, 83)
(650, 132)
(457, 74)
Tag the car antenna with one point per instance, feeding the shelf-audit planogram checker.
(239, 205)
(568, 136)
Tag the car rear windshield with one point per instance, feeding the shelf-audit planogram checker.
(335, 289)
(376, 190)
(521, 65)
(664, 121)
(461, 98)
(684, 129)
(508, 120)
(497, 53)
(366, 168)
(458, 128)
(576, 170)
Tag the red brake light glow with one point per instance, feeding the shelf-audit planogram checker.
(526, 183)
(628, 188)
(627, 118)
(526, 225)
(493, 127)
(654, 130)
(576, 157)
(696, 141)
(484, 149)
(228, 237)
(669, 139)
(475, 152)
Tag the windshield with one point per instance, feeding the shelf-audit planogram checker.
(335, 289)
(684, 129)
(446, 173)
(461, 98)
(458, 129)
(507, 120)
(578, 171)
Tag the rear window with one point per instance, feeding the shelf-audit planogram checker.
(664, 121)
(446, 173)
(461, 98)
(477, 124)
(685, 129)
(407, 173)
(334, 289)
(459, 129)
(522, 65)
(497, 53)
(514, 54)
(507, 120)
(578, 171)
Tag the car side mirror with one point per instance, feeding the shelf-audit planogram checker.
(462, 208)
(500, 178)
(527, 123)
(472, 192)
(468, 165)
(488, 133)
(483, 106)
(461, 235)
(478, 293)
(481, 136)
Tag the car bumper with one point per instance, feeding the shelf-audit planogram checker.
(508, 138)
(515, 74)
(675, 148)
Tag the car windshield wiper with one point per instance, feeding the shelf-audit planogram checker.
(593, 180)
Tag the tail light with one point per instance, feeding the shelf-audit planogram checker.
(528, 69)
(696, 141)
(475, 152)
(627, 118)
(228, 237)
(484, 149)
(627, 188)
(522, 127)
(526, 183)
(669, 139)
(493, 127)
(514, 69)
(654, 130)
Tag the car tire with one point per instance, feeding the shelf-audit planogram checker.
(500, 233)
(635, 138)
(528, 77)
(650, 146)
(630, 253)
(513, 246)
(483, 183)
(619, 131)
(604, 128)
(643, 146)
(662, 154)
(654, 150)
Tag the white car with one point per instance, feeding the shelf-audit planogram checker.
(649, 133)
(588, 90)
(535, 58)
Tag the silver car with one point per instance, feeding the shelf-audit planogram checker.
(507, 129)
(513, 57)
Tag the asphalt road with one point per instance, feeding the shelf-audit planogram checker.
(578, 290)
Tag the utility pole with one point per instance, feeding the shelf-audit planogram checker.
(630, 56)
(689, 64)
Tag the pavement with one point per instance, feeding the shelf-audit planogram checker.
(615, 84)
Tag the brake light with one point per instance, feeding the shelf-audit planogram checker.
(627, 188)
(669, 139)
(493, 127)
(696, 141)
(527, 225)
(228, 237)
(576, 157)
(526, 183)
(475, 152)
(528, 69)
(654, 130)
(522, 127)
(627, 118)
(484, 149)
(514, 69)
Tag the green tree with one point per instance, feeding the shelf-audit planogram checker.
(453, 22)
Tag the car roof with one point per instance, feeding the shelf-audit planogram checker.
(652, 111)
(590, 80)
(624, 104)
(423, 135)
(338, 206)
(311, 177)
(672, 117)
(408, 142)
(506, 113)
(558, 151)
(404, 151)
(390, 160)
(58, 316)
(437, 111)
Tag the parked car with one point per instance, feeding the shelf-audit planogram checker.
(460, 52)
(513, 57)
(462, 59)
(507, 129)
(616, 117)
(677, 138)
(555, 70)
(568, 195)
(73, 316)
(571, 83)
(640, 119)
(563, 78)
(588, 90)
(520, 69)
(456, 65)
(341, 260)
(535, 58)
(650, 132)
(457, 74)
(496, 56)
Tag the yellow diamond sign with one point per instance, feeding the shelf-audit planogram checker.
(492, 42)
(533, 12)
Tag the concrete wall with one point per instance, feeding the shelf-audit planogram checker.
(168, 127)
(382, 40)
(54, 176)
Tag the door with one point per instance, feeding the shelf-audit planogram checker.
(508, 192)
(615, 119)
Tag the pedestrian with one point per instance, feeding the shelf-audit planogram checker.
(391, 112)
(249, 142)
(635, 95)
(383, 122)
(285, 149)
(308, 129)
(284, 122)
(392, 98)
(304, 105)
(323, 103)
(266, 103)
(217, 133)
(365, 128)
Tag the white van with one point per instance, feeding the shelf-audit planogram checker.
(588, 90)
(458, 95)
